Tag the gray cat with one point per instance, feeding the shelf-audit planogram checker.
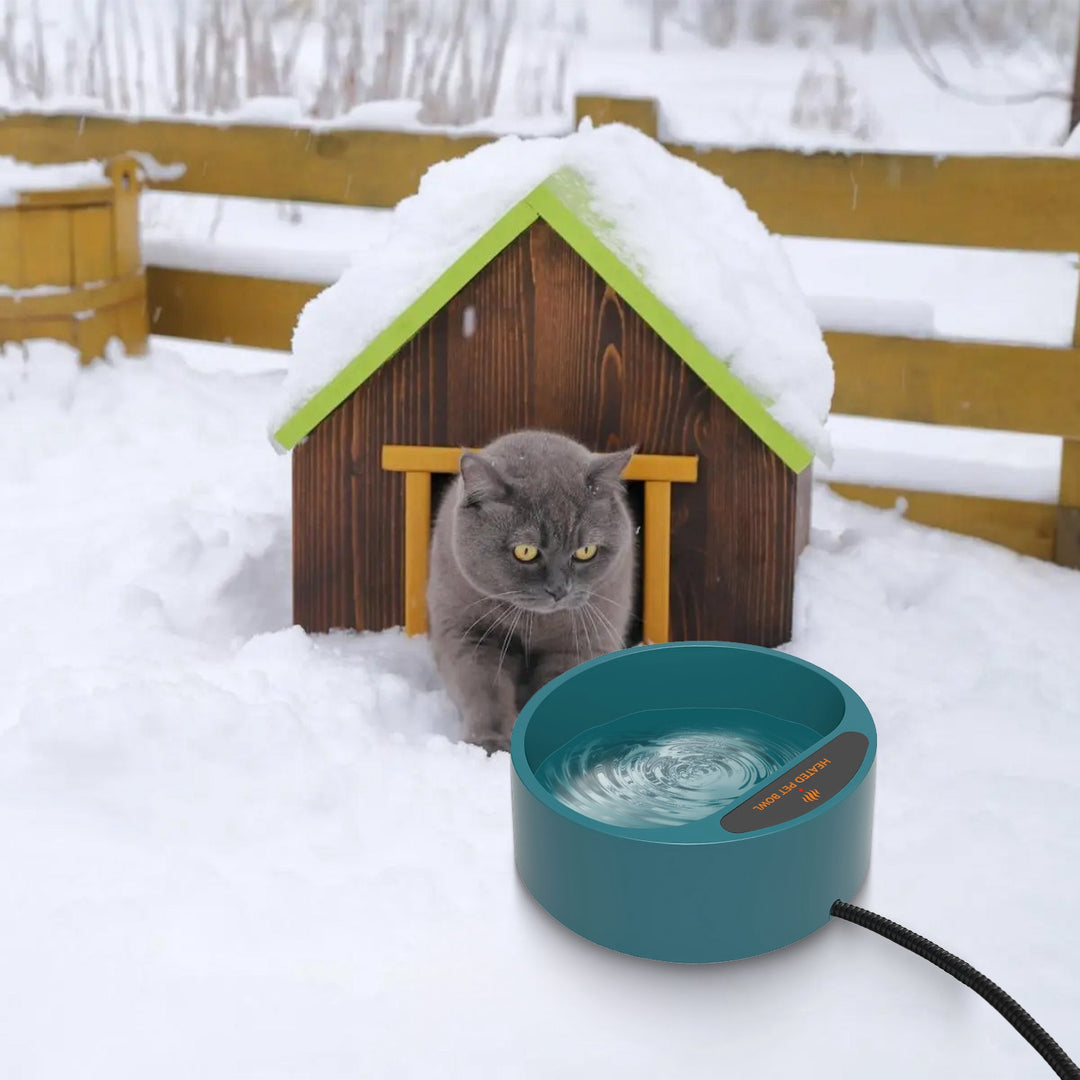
(531, 572)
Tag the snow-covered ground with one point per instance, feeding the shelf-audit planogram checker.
(234, 850)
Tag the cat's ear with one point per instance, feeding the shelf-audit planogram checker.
(481, 481)
(605, 470)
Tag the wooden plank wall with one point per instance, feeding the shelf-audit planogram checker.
(1028, 204)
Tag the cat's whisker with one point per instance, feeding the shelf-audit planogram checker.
(617, 604)
(508, 610)
(588, 611)
(482, 615)
(599, 614)
(589, 625)
(503, 616)
(605, 629)
(510, 594)
(465, 632)
(585, 628)
(506, 642)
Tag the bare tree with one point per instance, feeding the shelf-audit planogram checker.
(208, 56)
(656, 24)
(915, 40)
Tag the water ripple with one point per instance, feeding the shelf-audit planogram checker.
(648, 780)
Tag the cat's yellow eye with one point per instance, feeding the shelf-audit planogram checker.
(585, 552)
(525, 552)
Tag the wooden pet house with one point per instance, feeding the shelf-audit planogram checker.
(70, 266)
(540, 324)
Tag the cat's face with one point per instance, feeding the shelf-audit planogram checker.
(540, 523)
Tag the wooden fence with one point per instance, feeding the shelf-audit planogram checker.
(1025, 204)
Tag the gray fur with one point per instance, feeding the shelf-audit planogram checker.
(500, 629)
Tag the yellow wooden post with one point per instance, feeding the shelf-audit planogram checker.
(417, 540)
(131, 319)
(655, 603)
(1070, 472)
(125, 179)
(1067, 531)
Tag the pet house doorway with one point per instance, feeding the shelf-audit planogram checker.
(656, 472)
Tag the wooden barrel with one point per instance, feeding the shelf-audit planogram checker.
(70, 265)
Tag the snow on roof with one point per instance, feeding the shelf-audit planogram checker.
(688, 237)
(19, 176)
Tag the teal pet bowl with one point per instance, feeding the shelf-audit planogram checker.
(693, 802)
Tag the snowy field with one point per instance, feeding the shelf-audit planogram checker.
(233, 850)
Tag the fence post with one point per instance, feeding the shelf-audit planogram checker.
(641, 113)
(1067, 534)
(1067, 531)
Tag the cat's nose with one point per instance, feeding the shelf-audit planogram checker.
(557, 590)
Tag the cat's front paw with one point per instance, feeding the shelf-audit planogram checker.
(491, 741)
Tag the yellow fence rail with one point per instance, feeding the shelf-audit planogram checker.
(1027, 204)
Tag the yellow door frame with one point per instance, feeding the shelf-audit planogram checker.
(657, 471)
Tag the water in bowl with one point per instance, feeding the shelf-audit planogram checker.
(666, 767)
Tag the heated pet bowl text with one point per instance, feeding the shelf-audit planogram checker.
(793, 784)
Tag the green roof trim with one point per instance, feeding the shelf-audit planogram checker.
(314, 411)
(564, 202)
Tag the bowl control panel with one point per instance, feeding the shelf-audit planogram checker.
(809, 784)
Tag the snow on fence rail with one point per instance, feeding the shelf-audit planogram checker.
(1012, 203)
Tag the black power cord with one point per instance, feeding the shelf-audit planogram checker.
(1058, 1060)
